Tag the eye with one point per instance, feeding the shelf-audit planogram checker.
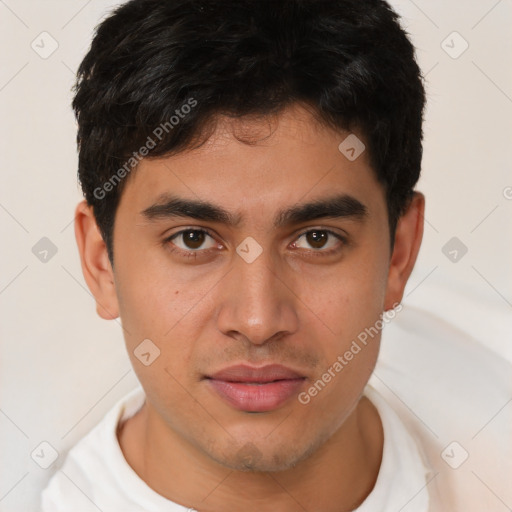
(321, 240)
(191, 240)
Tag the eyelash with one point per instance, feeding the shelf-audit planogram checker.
(193, 254)
(187, 254)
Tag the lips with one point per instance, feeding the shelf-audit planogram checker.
(249, 374)
(252, 389)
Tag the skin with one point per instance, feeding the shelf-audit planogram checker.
(292, 306)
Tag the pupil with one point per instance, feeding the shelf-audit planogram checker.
(317, 239)
(193, 239)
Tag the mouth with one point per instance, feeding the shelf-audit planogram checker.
(253, 389)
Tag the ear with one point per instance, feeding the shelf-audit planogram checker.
(96, 267)
(408, 236)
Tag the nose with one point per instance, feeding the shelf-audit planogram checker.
(258, 302)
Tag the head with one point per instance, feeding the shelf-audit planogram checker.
(227, 216)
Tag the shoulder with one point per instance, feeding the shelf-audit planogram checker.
(92, 467)
(452, 393)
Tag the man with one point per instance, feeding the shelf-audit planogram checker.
(248, 169)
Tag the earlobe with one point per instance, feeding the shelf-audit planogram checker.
(96, 266)
(408, 236)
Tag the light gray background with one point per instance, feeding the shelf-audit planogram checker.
(62, 367)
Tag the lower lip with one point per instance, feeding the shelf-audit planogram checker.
(256, 397)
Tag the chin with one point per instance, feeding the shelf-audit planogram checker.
(265, 459)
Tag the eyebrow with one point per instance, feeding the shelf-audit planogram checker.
(335, 207)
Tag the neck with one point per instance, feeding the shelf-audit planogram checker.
(337, 477)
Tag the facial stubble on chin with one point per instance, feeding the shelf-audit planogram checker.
(249, 458)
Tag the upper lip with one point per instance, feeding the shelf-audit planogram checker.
(245, 373)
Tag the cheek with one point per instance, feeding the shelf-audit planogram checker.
(350, 298)
(168, 308)
(351, 307)
(157, 340)
(154, 300)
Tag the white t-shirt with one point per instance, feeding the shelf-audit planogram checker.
(96, 475)
(445, 405)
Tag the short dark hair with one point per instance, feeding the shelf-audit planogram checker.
(152, 62)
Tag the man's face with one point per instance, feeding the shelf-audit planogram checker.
(208, 303)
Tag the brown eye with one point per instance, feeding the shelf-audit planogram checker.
(317, 239)
(192, 240)
(320, 240)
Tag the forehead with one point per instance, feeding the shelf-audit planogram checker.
(253, 166)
